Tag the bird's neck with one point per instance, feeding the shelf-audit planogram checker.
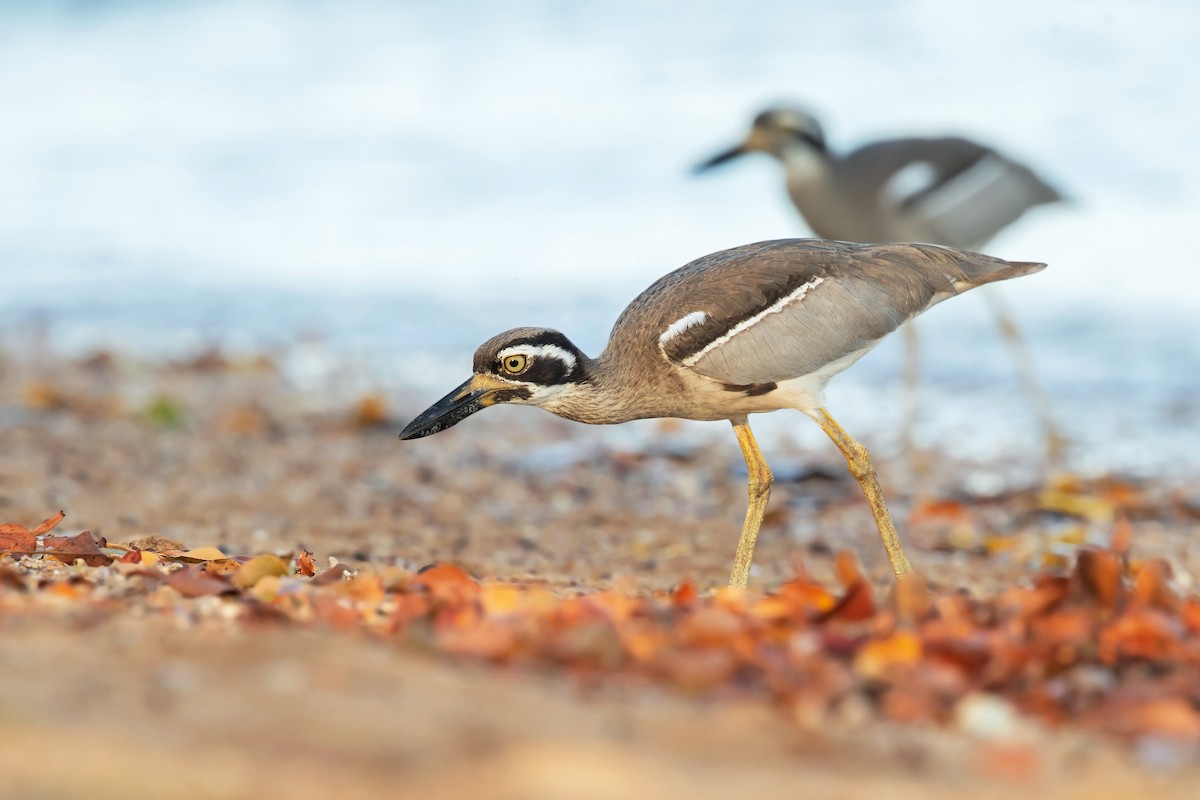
(807, 167)
(607, 397)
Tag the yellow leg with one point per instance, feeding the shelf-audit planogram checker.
(859, 461)
(1056, 443)
(759, 488)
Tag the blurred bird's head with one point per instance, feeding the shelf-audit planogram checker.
(775, 131)
(526, 366)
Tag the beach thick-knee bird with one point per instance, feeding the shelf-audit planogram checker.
(949, 191)
(757, 328)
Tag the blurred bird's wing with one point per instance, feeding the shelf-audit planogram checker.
(950, 191)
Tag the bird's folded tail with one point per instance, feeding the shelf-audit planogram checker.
(980, 269)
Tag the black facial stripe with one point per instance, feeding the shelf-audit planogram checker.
(545, 370)
(816, 142)
(508, 395)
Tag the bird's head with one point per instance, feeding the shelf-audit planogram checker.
(527, 366)
(774, 131)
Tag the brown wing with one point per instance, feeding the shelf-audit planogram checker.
(781, 309)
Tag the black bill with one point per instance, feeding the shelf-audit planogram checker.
(720, 158)
(448, 412)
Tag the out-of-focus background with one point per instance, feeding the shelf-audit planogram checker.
(402, 181)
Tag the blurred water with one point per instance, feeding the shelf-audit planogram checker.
(407, 179)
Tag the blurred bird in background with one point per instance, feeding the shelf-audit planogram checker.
(949, 191)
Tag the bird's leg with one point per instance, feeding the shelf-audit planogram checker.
(859, 461)
(759, 489)
(1056, 442)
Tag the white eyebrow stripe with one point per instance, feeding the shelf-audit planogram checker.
(536, 350)
(797, 294)
(682, 324)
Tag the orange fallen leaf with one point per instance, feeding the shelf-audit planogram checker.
(878, 658)
(334, 574)
(192, 581)
(846, 568)
(499, 599)
(1122, 537)
(11, 579)
(491, 639)
(951, 511)
(1099, 572)
(17, 539)
(1139, 633)
(305, 565)
(1151, 587)
(48, 524)
(1172, 716)
(80, 546)
(806, 596)
(684, 594)
(196, 555)
(371, 412)
(257, 568)
(446, 583)
(1191, 615)
(21, 540)
(856, 605)
(911, 599)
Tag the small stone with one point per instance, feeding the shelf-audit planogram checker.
(988, 717)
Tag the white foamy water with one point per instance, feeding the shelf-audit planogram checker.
(411, 178)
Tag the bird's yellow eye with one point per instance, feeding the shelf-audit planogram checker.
(515, 364)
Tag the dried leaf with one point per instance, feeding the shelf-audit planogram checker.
(684, 594)
(846, 568)
(1099, 572)
(446, 583)
(305, 565)
(911, 599)
(258, 568)
(1139, 633)
(1171, 716)
(877, 659)
(492, 640)
(857, 604)
(196, 555)
(192, 581)
(17, 539)
(371, 412)
(80, 546)
(1122, 537)
(1191, 615)
(1151, 585)
(1076, 505)
(498, 599)
(945, 511)
(49, 523)
(11, 579)
(334, 574)
(807, 597)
